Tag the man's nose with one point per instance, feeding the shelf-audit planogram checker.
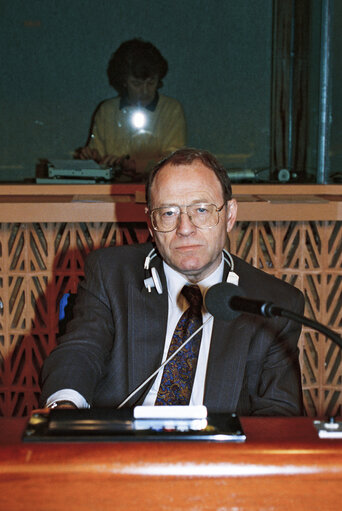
(185, 226)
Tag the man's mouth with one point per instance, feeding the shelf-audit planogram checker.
(186, 248)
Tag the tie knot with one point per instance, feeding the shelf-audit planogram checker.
(194, 297)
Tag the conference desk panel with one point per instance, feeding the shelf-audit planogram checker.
(283, 465)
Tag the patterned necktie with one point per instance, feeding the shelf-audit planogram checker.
(178, 376)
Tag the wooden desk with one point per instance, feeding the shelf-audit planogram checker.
(283, 465)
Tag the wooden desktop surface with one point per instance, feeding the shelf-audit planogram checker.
(283, 465)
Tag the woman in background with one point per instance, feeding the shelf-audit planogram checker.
(139, 126)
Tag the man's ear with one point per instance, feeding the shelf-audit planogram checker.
(231, 214)
(150, 230)
(149, 224)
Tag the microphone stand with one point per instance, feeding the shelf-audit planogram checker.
(271, 310)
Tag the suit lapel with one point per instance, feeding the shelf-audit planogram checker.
(226, 364)
(147, 321)
(227, 360)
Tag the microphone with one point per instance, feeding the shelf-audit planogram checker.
(226, 302)
(218, 300)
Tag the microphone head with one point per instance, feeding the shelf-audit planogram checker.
(217, 300)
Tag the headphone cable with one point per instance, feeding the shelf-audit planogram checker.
(163, 364)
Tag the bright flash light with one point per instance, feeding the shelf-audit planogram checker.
(138, 119)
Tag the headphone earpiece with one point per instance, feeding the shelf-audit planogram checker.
(233, 278)
(152, 278)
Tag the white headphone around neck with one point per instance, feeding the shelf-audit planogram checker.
(152, 278)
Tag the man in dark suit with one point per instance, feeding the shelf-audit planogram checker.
(130, 301)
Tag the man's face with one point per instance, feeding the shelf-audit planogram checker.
(194, 252)
(141, 92)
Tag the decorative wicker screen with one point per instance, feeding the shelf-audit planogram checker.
(39, 262)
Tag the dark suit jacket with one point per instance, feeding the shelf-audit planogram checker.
(116, 340)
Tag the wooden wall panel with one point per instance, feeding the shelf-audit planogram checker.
(39, 262)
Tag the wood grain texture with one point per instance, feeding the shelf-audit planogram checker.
(282, 465)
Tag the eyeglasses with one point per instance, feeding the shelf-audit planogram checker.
(202, 215)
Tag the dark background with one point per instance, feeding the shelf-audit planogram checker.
(54, 55)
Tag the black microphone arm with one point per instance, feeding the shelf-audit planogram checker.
(269, 310)
(226, 301)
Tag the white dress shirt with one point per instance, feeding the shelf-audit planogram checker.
(177, 305)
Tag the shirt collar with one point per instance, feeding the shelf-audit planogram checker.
(175, 280)
(151, 106)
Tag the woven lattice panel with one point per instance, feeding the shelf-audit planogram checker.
(41, 262)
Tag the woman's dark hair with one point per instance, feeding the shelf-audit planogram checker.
(186, 156)
(138, 58)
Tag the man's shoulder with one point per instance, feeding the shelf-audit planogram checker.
(261, 285)
(123, 254)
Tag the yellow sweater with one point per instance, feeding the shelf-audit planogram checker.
(163, 130)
